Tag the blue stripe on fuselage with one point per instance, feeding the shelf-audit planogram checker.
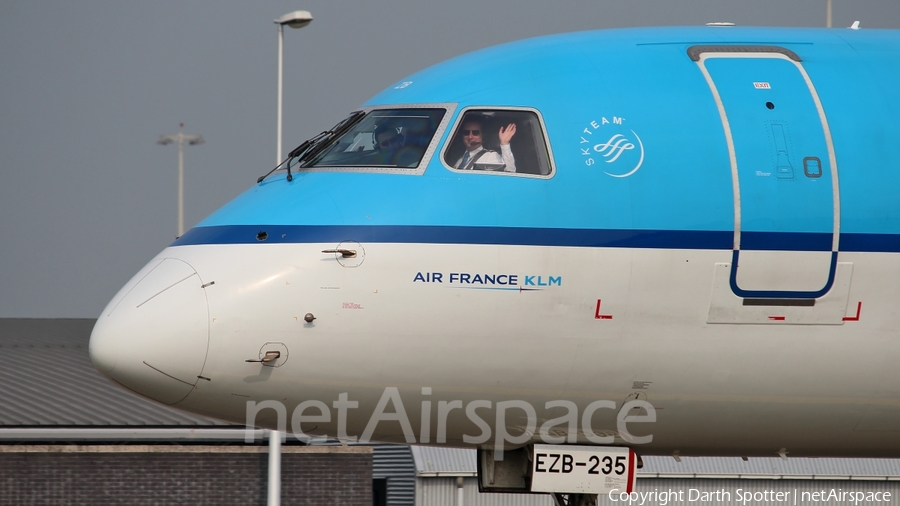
(659, 239)
(247, 234)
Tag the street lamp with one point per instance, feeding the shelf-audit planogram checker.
(296, 19)
(180, 138)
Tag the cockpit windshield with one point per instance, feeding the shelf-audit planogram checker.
(389, 138)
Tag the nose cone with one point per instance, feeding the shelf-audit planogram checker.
(153, 337)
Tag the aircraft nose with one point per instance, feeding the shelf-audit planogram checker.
(153, 338)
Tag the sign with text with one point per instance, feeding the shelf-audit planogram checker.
(582, 469)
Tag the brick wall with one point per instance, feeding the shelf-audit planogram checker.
(163, 474)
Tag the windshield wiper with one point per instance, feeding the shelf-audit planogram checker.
(335, 132)
(314, 145)
(308, 143)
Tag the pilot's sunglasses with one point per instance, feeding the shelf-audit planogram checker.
(471, 132)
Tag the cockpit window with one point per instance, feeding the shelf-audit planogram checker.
(385, 138)
(508, 141)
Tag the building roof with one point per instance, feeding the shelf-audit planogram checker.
(771, 467)
(47, 379)
(432, 461)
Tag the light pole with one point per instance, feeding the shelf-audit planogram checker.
(180, 138)
(296, 19)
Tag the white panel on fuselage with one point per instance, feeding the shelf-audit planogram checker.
(830, 309)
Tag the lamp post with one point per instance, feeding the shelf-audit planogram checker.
(180, 138)
(296, 19)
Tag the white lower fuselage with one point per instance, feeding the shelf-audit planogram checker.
(609, 324)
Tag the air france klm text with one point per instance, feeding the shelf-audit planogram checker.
(488, 279)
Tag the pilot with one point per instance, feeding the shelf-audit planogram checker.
(472, 133)
(387, 137)
(392, 147)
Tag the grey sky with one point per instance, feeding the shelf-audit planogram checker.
(86, 88)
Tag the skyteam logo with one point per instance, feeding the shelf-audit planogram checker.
(609, 142)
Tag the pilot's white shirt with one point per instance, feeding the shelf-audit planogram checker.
(505, 157)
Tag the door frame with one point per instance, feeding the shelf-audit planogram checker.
(700, 54)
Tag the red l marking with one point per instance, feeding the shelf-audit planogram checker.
(854, 318)
(598, 316)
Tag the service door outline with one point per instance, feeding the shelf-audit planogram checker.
(784, 171)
